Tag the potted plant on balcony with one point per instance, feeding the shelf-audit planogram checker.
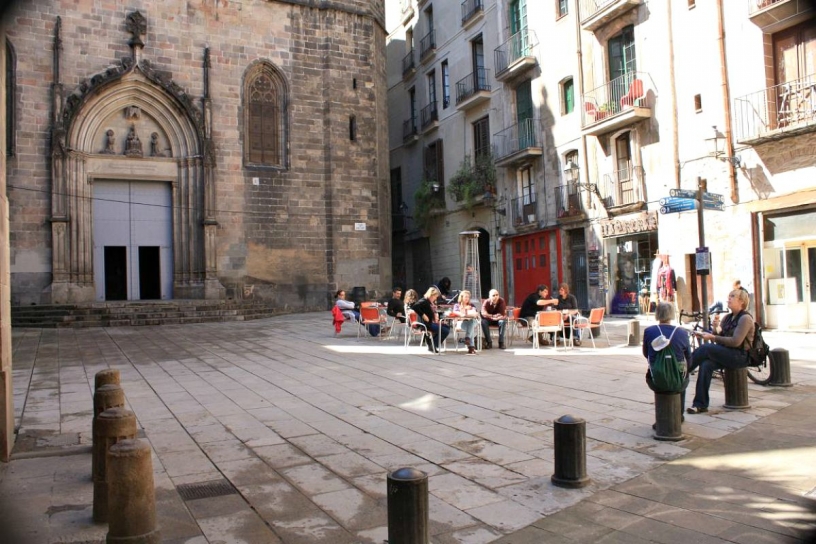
(472, 180)
(427, 198)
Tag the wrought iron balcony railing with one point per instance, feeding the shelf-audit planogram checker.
(523, 210)
(427, 44)
(428, 115)
(567, 201)
(472, 84)
(408, 65)
(777, 111)
(622, 187)
(519, 45)
(470, 8)
(616, 96)
(409, 129)
(521, 136)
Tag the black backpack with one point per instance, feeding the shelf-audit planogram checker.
(759, 349)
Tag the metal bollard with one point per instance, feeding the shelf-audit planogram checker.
(633, 329)
(668, 417)
(736, 388)
(780, 368)
(132, 498)
(569, 436)
(104, 377)
(408, 507)
(110, 427)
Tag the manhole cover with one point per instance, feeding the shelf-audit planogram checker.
(205, 490)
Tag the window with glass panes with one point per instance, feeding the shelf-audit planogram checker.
(481, 137)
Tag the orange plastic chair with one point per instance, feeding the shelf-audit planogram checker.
(516, 326)
(369, 315)
(594, 321)
(549, 321)
(416, 328)
(635, 93)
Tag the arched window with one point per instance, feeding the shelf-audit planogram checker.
(266, 117)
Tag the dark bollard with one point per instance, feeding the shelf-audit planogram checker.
(110, 427)
(668, 417)
(633, 330)
(408, 507)
(105, 377)
(736, 388)
(569, 435)
(780, 368)
(132, 498)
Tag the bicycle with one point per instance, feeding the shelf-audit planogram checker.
(759, 372)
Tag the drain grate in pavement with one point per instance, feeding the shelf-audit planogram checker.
(205, 490)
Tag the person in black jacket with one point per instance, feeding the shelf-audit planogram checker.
(426, 311)
(534, 303)
(396, 307)
(568, 302)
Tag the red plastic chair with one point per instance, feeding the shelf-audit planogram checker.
(635, 93)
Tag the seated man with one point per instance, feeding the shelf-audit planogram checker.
(494, 313)
(396, 308)
(534, 303)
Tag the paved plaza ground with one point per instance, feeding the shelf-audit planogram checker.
(296, 430)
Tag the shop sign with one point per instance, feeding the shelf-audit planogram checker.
(646, 222)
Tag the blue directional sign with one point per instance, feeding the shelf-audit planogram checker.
(712, 197)
(683, 193)
(712, 205)
(675, 205)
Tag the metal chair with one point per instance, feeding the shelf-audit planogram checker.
(369, 315)
(594, 321)
(549, 321)
(415, 328)
(516, 325)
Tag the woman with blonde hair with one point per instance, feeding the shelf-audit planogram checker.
(729, 349)
(426, 311)
(465, 308)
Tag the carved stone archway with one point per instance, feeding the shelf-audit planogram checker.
(132, 123)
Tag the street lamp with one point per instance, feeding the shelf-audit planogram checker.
(714, 144)
(571, 171)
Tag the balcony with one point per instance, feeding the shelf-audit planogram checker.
(427, 46)
(622, 190)
(597, 13)
(516, 56)
(408, 64)
(777, 112)
(775, 15)
(518, 144)
(410, 133)
(568, 204)
(471, 11)
(523, 212)
(621, 102)
(429, 117)
(473, 89)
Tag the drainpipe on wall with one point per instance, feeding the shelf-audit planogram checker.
(579, 52)
(726, 94)
(673, 98)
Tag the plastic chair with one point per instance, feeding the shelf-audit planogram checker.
(634, 94)
(369, 315)
(415, 328)
(516, 326)
(594, 321)
(549, 321)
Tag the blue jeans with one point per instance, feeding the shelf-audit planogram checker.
(433, 329)
(711, 357)
(486, 329)
(467, 326)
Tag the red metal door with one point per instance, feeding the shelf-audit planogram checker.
(531, 264)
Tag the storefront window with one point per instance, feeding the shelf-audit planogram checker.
(630, 260)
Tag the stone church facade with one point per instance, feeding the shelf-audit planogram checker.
(197, 150)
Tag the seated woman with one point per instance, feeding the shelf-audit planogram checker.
(411, 296)
(729, 349)
(465, 308)
(679, 343)
(346, 306)
(426, 310)
(567, 304)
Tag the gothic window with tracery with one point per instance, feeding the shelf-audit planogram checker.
(266, 100)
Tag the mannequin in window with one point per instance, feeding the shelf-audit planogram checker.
(666, 281)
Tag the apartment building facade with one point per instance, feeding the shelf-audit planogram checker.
(599, 112)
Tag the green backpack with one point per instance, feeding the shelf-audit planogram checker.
(667, 372)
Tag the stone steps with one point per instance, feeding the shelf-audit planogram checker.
(126, 314)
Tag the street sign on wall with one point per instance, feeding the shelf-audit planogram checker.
(713, 205)
(686, 193)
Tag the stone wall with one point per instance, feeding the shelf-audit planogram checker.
(283, 235)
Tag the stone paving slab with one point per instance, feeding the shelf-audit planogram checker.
(306, 426)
